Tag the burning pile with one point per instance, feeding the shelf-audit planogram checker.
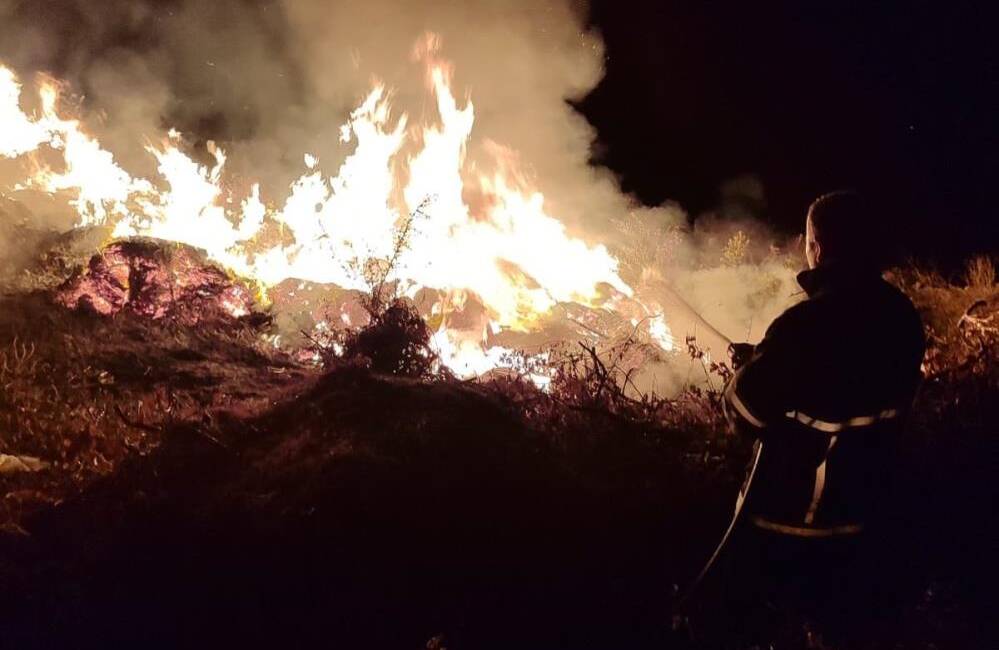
(156, 281)
(405, 209)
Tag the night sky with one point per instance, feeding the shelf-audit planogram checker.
(896, 98)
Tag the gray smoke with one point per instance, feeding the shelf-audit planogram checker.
(273, 79)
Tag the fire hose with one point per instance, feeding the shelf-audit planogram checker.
(739, 354)
(698, 326)
(739, 502)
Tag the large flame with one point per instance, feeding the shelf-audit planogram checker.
(508, 251)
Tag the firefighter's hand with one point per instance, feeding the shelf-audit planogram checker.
(740, 353)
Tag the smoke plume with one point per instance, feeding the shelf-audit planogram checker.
(274, 79)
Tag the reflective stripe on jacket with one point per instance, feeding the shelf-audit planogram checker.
(825, 393)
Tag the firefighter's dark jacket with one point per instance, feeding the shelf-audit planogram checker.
(825, 394)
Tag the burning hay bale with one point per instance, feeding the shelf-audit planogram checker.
(156, 280)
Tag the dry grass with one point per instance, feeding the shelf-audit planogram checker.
(376, 440)
(86, 393)
(961, 318)
(980, 273)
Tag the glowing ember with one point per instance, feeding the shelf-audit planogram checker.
(509, 252)
(156, 281)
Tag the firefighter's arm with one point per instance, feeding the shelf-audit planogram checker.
(759, 393)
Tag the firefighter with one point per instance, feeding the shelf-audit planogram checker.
(823, 396)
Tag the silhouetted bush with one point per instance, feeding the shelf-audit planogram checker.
(395, 342)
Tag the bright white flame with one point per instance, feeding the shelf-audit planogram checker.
(508, 251)
(18, 133)
(660, 333)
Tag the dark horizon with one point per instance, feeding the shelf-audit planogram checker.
(898, 102)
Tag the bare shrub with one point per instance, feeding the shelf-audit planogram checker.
(376, 273)
(396, 339)
(736, 249)
(647, 242)
(591, 400)
(396, 342)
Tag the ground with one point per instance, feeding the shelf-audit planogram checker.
(205, 489)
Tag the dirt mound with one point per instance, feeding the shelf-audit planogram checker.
(365, 511)
(84, 393)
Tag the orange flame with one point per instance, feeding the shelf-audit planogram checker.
(510, 252)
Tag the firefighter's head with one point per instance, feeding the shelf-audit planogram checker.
(840, 228)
